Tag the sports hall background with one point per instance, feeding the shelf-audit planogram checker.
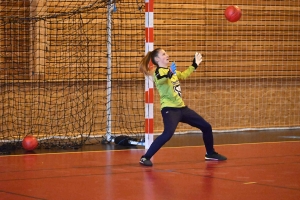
(53, 65)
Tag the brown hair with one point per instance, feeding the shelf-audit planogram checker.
(144, 64)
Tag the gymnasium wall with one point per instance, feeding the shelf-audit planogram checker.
(54, 68)
(249, 77)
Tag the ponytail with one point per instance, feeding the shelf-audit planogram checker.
(144, 64)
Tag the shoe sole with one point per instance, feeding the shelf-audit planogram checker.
(145, 165)
(213, 159)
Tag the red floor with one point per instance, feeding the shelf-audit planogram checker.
(261, 171)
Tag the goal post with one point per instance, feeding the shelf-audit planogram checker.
(110, 7)
(149, 91)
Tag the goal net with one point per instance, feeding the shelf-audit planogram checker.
(249, 77)
(68, 71)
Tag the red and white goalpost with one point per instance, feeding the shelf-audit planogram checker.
(149, 92)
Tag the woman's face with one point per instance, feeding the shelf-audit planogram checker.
(162, 58)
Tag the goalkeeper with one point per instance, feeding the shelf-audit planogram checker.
(173, 109)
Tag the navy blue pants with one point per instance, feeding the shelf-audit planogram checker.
(171, 118)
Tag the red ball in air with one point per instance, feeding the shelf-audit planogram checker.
(233, 13)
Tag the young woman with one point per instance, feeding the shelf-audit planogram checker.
(173, 109)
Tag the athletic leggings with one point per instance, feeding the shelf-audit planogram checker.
(171, 118)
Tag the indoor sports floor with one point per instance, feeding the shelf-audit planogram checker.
(261, 165)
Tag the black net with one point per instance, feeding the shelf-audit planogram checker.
(68, 71)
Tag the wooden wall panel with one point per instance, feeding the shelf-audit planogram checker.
(231, 104)
(269, 32)
(14, 41)
(264, 43)
(256, 56)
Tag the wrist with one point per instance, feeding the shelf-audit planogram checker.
(170, 74)
(195, 65)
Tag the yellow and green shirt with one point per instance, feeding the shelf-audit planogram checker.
(169, 87)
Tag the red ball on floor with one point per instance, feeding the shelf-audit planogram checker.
(29, 143)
